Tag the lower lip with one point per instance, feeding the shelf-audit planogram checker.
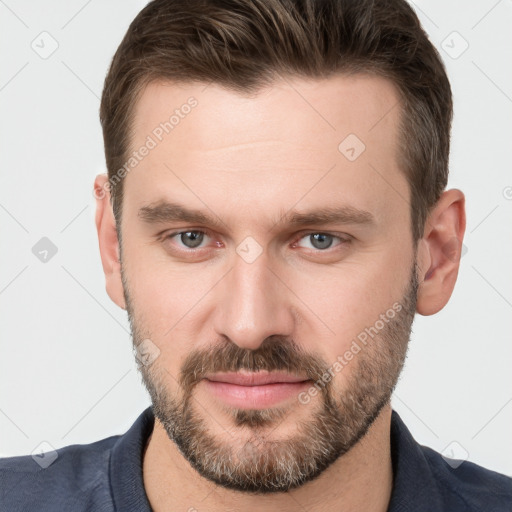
(255, 397)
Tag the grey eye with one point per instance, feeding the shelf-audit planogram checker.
(321, 240)
(191, 239)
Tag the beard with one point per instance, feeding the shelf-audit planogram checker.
(253, 460)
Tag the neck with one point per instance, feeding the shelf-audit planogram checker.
(360, 480)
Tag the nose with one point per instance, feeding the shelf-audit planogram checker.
(253, 304)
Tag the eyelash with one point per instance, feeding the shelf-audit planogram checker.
(342, 239)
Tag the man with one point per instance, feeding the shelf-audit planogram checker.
(273, 217)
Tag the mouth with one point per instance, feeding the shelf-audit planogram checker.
(255, 390)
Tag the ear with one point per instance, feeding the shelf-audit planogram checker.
(439, 252)
(108, 242)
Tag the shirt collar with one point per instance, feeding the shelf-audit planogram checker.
(127, 484)
(414, 485)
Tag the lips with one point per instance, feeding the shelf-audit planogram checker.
(254, 390)
(259, 378)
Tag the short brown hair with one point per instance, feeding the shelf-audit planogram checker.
(243, 44)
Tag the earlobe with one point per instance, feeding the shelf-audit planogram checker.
(439, 252)
(108, 241)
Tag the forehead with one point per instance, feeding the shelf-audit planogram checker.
(331, 108)
(333, 140)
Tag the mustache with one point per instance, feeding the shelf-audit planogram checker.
(276, 353)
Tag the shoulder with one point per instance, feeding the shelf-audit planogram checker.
(425, 480)
(470, 485)
(74, 477)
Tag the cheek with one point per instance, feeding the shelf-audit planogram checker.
(342, 302)
(162, 292)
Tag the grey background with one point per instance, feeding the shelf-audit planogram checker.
(67, 372)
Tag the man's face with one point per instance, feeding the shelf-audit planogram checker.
(267, 285)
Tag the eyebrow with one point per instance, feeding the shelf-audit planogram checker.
(164, 211)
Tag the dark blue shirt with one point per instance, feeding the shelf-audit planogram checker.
(106, 476)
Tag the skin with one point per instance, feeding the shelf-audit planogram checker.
(247, 160)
